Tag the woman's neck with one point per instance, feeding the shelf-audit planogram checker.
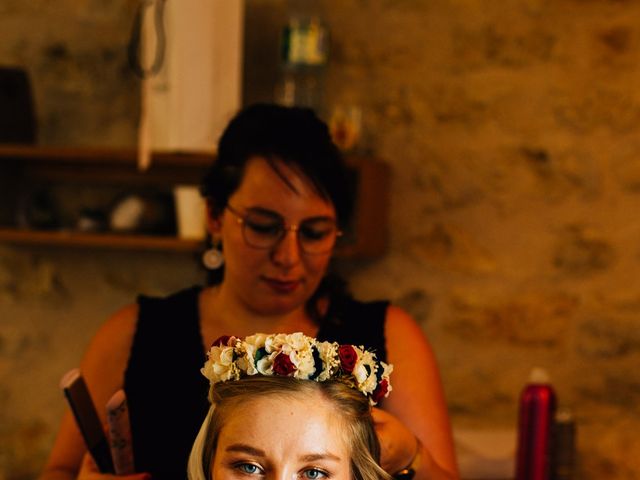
(222, 313)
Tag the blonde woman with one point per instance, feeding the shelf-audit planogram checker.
(288, 406)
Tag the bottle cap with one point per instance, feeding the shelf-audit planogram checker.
(564, 415)
(539, 375)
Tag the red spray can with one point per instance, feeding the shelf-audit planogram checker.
(535, 425)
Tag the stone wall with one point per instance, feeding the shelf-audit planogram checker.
(75, 53)
(512, 130)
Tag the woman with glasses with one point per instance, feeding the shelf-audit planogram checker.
(278, 196)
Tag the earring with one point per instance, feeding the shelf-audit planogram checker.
(213, 258)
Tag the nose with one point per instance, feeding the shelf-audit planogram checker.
(282, 473)
(286, 252)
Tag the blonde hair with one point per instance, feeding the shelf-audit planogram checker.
(351, 406)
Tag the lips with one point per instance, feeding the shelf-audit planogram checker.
(282, 286)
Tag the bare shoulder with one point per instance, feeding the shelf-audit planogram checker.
(410, 351)
(402, 331)
(397, 316)
(106, 357)
(116, 332)
(418, 397)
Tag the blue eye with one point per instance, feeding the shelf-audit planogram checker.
(314, 474)
(249, 468)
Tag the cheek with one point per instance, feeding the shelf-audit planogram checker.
(315, 269)
(241, 269)
(239, 255)
(232, 239)
(317, 263)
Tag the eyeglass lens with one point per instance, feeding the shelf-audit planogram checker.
(265, 231)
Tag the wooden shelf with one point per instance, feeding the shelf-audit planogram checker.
(99, 240)
(24, 166)
(111, 156)
(102, 165)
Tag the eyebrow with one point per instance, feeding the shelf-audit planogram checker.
(312, 457)
(244, 448)
(276, 215)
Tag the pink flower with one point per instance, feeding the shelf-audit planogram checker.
(282, 365)
(348, 357)
(380, 391)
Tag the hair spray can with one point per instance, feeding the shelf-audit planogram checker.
(536, 417)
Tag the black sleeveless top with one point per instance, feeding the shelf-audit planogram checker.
(167, 394)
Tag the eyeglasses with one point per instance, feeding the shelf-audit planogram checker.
(265, 230)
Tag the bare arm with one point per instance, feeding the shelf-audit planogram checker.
(417, 401)
(103, 368)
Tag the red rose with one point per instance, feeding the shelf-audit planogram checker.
(380, 391)
(222, 341)
(282, 365)
(348, 357)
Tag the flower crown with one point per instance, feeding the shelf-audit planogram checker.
(299, 356)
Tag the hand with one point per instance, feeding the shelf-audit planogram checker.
(89, 471)
(398, 444)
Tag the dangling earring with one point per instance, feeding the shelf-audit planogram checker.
(213, 258)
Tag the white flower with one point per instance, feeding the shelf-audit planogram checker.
(386, 372)
(256, 341)
(296, 345)
(303, 360)
(299, 348)
(220, 367)
(299, 342)
(329, 355)
(365, 371)
(265, 364)
(275, 343)
(247, 351)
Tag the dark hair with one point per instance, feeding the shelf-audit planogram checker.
(299, 139)
(292, 135)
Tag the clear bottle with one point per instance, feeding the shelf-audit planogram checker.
(303, 56)
(535, 428)
(564, 445)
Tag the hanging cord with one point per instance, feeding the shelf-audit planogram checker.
(134, 47)
(136, 58)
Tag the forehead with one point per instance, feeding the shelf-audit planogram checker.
(285, 425)
(263, 185)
